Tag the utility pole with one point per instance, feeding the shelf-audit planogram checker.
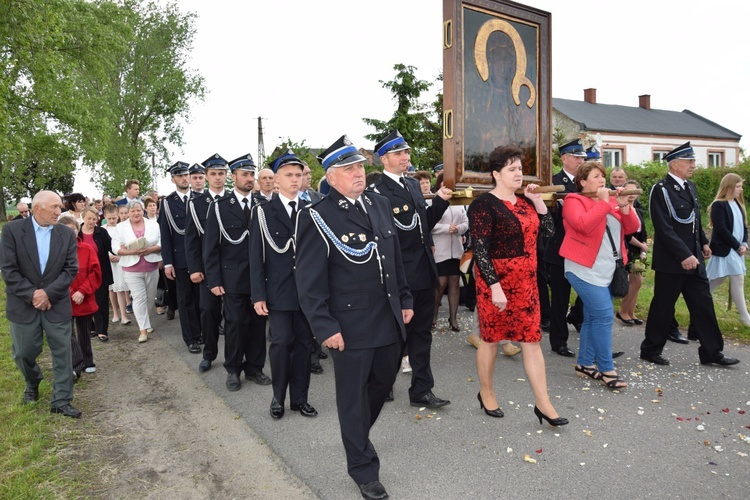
(261, 147)
(153, 168)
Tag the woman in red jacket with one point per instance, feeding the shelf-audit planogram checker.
(590, 264)
(83, 297)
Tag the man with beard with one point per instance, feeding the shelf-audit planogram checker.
(226, 247)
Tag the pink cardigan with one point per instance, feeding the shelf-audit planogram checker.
(585, 220)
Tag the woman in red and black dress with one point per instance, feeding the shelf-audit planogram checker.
(504, 229)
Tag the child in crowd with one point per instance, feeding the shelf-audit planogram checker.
(118, 291)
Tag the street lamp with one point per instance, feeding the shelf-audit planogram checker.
(153, 168)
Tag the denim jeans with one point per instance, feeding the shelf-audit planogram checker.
(598, 318)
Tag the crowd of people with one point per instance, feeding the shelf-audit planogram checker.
(362, 271)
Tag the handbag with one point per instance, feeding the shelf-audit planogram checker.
(620, 282)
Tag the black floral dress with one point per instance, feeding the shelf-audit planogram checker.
(504, 239)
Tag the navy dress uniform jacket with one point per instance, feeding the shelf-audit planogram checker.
(337, 295)
(172, 242)
(226, 264)
(674, 241)
(552, 250)
(416, 247)
(200, 205)
(272, 273)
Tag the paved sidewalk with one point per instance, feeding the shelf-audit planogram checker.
(677, 431)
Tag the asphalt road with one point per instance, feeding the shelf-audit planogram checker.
(676, 432)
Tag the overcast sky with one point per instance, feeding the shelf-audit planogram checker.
(311, 68)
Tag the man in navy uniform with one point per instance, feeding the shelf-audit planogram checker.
(226, 247)
(198, 207)
(355, 296)
(680, 247)
(274, 292)
(572, 155)
(172, 218)
(414, 221)
(197, 178)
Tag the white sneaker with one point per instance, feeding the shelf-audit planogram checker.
(90, 369)
(405, 366)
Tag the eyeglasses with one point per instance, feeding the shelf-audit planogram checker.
(23, 211)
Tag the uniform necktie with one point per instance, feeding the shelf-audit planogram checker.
(217, 196)
(361, 210)
(185, 200)
(403, 182)
(246, 209)
(293, 215)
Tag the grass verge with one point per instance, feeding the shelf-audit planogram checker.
(33, 442)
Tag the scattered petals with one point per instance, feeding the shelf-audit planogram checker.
(701, 427)
(418, 416)
(725, 410)
(582, 464)
(587, 432)
(509, 450)
(742, 454)
(656, 401)
(718, 447)
(707, 443)
(741, 412)
(712, 463)
(605, 445)
(641, 412)
(680, 419)
(539, 450)
(527, 458)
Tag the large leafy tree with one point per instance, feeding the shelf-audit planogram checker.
(147, 95)
(100, 80)
(419, 123)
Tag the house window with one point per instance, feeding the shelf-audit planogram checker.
(612, 157)
(715, 159)
(659, 155)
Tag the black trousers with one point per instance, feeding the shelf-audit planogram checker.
(101, 317)
(188, 305)
(558, 326)
(210, 321)
(80, 343)
(695, 289)
(542, 283)
(419, 343)
(244, 335)
(289, 355)
(364, 378)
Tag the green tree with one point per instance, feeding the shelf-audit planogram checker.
(415, 120)
(305, 154)
(145, 96)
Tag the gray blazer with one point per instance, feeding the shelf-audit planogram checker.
(19, 261)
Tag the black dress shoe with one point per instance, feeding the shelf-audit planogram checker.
(675, 336)
(723, 361)
(658, 359)
(194, 348)
(430, 401)
(617, 354)
(204, 366)
(389, 397)
(629, 322)
(692, 337)
(30, 394)
(259, 378)
(322, 354)
(637, 321)
(373, 490)
(316, 368)
(170, 314)
(67, 411)
(305, 409)
(233, 382)
(545, 326)
(277, 410)
(564, 351)
(201, 340)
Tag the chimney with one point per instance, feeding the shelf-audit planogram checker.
(644, 101)
(589, 95)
